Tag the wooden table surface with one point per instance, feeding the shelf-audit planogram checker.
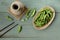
(28, 32)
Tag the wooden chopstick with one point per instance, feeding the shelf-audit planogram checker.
(8, 30)
(7, 26)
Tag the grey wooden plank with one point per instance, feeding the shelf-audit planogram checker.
(28, 32)
(53, 31)
(29, 38)
(4, 4)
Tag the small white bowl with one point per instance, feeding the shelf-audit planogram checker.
(46, 25)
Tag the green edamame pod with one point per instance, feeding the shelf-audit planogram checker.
(19, 28)
(33, 12)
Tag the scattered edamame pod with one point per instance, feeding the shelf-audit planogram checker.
(27, 13)
(19, 28)
(33, 12)
(9, 18)
(22, 20)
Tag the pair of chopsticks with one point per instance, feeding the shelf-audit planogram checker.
(8, 29)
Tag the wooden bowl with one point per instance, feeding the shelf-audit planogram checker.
(46, 25)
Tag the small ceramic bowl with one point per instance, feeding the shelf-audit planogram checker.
(17, 9)
(46, 25)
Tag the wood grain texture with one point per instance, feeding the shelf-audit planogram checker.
(31, 4)
(28, 32)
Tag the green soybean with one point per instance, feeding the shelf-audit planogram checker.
(33, 12)
(9, 18)
(44, 17)
(19, 28)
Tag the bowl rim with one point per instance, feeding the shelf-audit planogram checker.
(46, 25)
